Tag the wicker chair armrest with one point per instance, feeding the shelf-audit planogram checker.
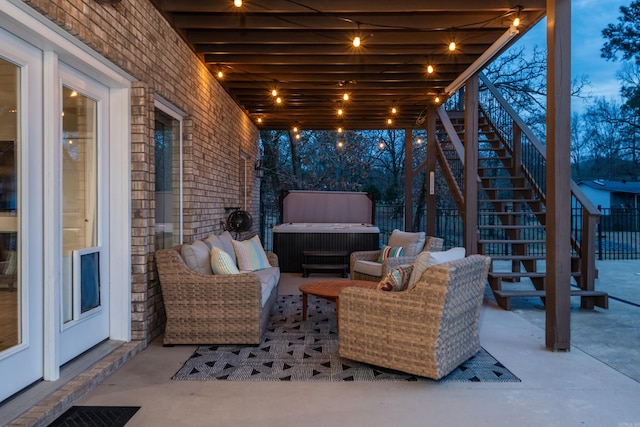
(433, 244)
(273, 259)
(363, 256)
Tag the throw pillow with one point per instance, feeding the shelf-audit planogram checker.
(250, 254)
(412, 242)
(390, 251)
(427, 259)
(397, 279)
(196, 256)
(221, 262)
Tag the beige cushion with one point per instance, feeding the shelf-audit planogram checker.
(411, 242)
(214, 241)
(371, 268)
(427, 259)
(197, 257)
(268, 280)
(221, 262)
(250, 254)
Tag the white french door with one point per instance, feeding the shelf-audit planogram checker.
(84, 302)
(21, 249)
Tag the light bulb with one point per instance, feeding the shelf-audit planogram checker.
(295, 129)
(394, 110)
(298, 136)
(237, 3)
(389, 121)
(339, 111)
(339, 130)
(274, 92)
(220, 74)
(429, 69)
(259, 119)
(516, 22)
(381, 145)
(345, 96)
(278, 100)
(452, 46)
(340, 144)
(419, 141)
(437, 99)
(356, 41)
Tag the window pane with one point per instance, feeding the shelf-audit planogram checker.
(167, 146)
(10, 290)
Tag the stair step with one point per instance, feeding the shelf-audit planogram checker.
(515, 274)
(511, 227)
(503, 297)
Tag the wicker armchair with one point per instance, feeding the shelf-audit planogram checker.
(431, 244)
(208, 308)
(428, 330)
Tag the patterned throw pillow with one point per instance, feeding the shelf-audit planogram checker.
(390, 252)
(250, 254)
(397, 279)
(221, 262)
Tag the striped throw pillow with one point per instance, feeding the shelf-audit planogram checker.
(397, 279)
(221, 262)
(250, 254)
(390, 252)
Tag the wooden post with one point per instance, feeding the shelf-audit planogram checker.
(558, 174)
(408, 179)
(431, 172)
(470, 216)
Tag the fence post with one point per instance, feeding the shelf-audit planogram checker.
(599, 228)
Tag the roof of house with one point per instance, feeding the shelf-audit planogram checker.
(613, 186)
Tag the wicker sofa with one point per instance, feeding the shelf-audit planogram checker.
(206, 308)
(427, 330)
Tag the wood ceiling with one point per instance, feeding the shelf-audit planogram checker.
(304, 49)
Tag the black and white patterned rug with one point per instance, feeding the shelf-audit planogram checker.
(296, 350)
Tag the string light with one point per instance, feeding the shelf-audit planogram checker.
(389, 121)
(259, 119)
(381, 145)
(394, 110)
(220, 74)
(345, 96)
(340, 144)
(356, 39)
(339, 130)
(516, 20)
(297, 136)
(419, 141)
(437, 99)
(237, 3)
(295, 129)
(278, 100)
(452, 46)
(339, 111)
(429, 69)
(274, 92)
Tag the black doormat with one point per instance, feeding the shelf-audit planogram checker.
(296, 350)
(95, 416)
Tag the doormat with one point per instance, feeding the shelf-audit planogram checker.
(92, 416)
(296, 350)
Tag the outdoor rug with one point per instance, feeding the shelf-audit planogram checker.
(296, 350)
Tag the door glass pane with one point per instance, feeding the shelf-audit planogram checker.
(79, 196)
(167, 145)
(10, 290)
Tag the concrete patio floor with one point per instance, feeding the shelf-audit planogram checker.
(597, 383)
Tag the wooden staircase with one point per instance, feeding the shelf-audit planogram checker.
(511, 219)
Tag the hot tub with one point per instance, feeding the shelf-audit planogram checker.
(335, 222)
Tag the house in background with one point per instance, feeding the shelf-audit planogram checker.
(612, 194)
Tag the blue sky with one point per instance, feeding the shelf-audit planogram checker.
(589, 18)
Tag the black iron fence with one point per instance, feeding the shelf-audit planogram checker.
(618, 232)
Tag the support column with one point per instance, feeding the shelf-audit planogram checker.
(431, 172)
(558, 175)
(470, 215)
(408, 179)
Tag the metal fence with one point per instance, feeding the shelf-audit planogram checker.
(618, 232)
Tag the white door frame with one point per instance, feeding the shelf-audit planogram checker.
(59, 46)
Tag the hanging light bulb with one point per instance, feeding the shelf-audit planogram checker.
(389, 121)
(339, 111)
(429, 69)
(259, 119)
(297, 136)
(340, 144)
(394, 110)
(381, 145)
(452, 46)
(295, 129)
(419, 141)
(339, 130)
(356, 41)
(345, 96)
(237, 3)
(274, 92)
(278, 100)
(437, 99)
(220, 74)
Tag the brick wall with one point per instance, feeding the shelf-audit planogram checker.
(134, 36)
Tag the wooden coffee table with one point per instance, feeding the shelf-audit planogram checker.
(329, 290)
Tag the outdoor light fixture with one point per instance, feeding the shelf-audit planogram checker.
(482, 60)
(356, 39)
